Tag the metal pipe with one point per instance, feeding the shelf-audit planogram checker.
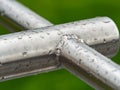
(24, 46)
(37, 41)
(30, 20)
(98, 66)
(22, 15)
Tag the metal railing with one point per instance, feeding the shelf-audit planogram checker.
(45, 47)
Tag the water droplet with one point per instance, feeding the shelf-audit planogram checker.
(69, 52)
(59, 33)
(48, 33)
(5, 38)
(58, 51)
(80, 61)
(81, 40)
(29, 36)
(107, 34)
(104, 40)
(34, 31)
(42, 37)
(27, 65)
(106, 72)
(24, 53)
(106, 21)
(19, 37)
(27, 23)
(97, 66)
(84, 23)
(50, 52)
(95, 39)
(114, 79)
(92, 60)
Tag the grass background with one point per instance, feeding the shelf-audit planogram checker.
(62, 11)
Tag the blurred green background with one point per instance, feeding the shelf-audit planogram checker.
(62, 11)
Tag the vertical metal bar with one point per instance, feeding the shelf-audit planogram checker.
(98, 66)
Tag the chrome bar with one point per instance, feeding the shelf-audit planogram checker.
(22, 15)
(99, 67)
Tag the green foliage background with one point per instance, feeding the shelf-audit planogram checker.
(62, 11)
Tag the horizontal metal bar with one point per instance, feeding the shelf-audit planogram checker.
(23, 15)
(81, 56)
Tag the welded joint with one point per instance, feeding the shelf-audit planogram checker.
(62, 41)
(68, 37)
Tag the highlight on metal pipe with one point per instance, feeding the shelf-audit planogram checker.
(94, 32)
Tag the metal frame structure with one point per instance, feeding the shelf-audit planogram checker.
(46, 47)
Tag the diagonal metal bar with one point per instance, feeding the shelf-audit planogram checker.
(17, 12)
(23, 16)
(97, 65)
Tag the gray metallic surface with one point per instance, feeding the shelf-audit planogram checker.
(97, 65)
(30, 20)
(43, 41)
(22, 15)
